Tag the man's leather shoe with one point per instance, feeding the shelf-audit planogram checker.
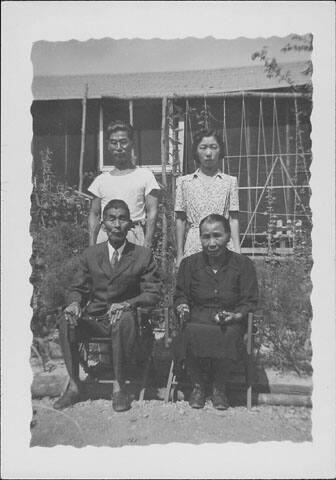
(197, 397)
(219, 399)
(68, 398)
(120, 401)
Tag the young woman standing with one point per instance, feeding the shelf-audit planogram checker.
(204, 192)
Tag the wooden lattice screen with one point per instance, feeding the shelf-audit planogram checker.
(267, 147)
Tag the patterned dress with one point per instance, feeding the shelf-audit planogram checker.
(198, 197)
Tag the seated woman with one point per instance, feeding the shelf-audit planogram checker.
(215, 290)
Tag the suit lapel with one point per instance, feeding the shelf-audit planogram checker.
(127, 258)
(104, 260)
(125, 261)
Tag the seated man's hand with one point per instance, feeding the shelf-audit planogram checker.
(72, 312)
(116, 309)
(183, 312)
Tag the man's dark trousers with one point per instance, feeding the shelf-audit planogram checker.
(123, 335)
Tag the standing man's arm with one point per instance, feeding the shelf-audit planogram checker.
(94, 220)
(152, 208)
(150, 284)
(81, 285)
(234, 226)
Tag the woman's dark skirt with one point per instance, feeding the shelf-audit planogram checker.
(206, 340)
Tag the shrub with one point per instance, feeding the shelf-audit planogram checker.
(59, 232)
(286, 313)
(54, 260)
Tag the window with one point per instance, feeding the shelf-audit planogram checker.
(147, 125)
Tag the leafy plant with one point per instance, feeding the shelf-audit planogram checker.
(53, 201)
(59, 231)
(54, 261)
(286, 312)
(297, 43)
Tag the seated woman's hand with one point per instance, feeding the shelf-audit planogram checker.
(224, 317)
(183, 312)
(72, 312)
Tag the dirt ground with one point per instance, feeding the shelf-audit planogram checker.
(94, 422)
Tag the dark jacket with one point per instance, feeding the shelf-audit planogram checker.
(135, 278)
(233, 288)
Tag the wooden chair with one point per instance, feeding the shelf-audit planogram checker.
(250, 334)
(97, 374)
(248, 360)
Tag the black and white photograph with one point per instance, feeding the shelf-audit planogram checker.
(170, 242)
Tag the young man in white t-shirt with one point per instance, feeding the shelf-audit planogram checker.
(136, 186)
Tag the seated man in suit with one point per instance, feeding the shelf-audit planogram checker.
(114, 278)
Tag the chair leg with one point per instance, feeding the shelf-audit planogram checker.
(249, 397)
(249, 367)
(145, 378)
(170, 381)
(249, 380)
(75, 360)
(166, 324)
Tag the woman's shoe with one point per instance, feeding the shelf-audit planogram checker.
(197, 397)
(219, 399)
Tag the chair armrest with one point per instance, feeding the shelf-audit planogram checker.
(145, 316)
(142, 312)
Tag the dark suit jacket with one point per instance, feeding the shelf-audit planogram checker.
(135, 278)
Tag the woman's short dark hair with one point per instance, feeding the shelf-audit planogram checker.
(119, 125)
(116, 203)
(207, 132)
(213, 218)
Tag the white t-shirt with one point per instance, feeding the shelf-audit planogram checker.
(132, 187)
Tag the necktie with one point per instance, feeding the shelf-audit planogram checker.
(115, 258)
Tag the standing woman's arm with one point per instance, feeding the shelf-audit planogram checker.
(234, 214)
(234, 225)
(180, 219)
(180, 233)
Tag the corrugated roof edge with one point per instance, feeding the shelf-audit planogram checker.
(172, 84)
